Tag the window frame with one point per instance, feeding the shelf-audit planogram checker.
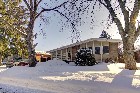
(106, 48)
(98, 50)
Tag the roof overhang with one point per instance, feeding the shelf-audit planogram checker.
(86, 41)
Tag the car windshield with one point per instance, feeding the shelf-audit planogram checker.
(24, 60)
(21, 60)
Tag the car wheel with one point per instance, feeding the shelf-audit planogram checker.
(22, 64)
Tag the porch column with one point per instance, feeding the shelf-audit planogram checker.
(56, 54)
(93, 48)
(101, 51)
(71, 54)
(66, 53)
(86, 45)
(61, 54)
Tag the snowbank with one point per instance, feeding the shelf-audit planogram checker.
(56, 76)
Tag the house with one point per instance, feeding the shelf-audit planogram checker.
(41, 56)
(102, 48)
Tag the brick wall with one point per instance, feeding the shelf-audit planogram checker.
(113, 50)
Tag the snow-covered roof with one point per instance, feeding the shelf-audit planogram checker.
(42, 52)
(85, 41)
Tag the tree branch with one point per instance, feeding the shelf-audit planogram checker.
(36, 4)
(125, 14)
(100, 1)
(31, 4)
(107, 4)
(135, 11)
(62, 14)
(39, 2)
(137, 33)
(72, 24)
(28, 6)
(134, 16)
(43, 10)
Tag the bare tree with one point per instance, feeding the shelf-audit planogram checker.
(127, 29)
(68, 9)
(129, 33)
(34, 13)
(124, 13)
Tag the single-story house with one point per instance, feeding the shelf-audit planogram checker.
(42, 56)
(102, 48)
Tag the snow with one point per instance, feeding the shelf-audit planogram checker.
(126, 35)
(56, 76)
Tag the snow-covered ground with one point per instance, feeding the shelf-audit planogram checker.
(56, 76)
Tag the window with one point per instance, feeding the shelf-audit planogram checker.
(105, 49)
(97, 50)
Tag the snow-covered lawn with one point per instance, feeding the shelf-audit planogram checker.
(56, 76)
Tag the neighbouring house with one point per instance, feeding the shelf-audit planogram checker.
(102, 48)
(136, 54)
(41, 56)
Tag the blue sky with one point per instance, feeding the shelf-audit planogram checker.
(54, 38)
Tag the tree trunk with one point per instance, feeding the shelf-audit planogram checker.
(31, 50)
(0, 59)
(129, 57)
